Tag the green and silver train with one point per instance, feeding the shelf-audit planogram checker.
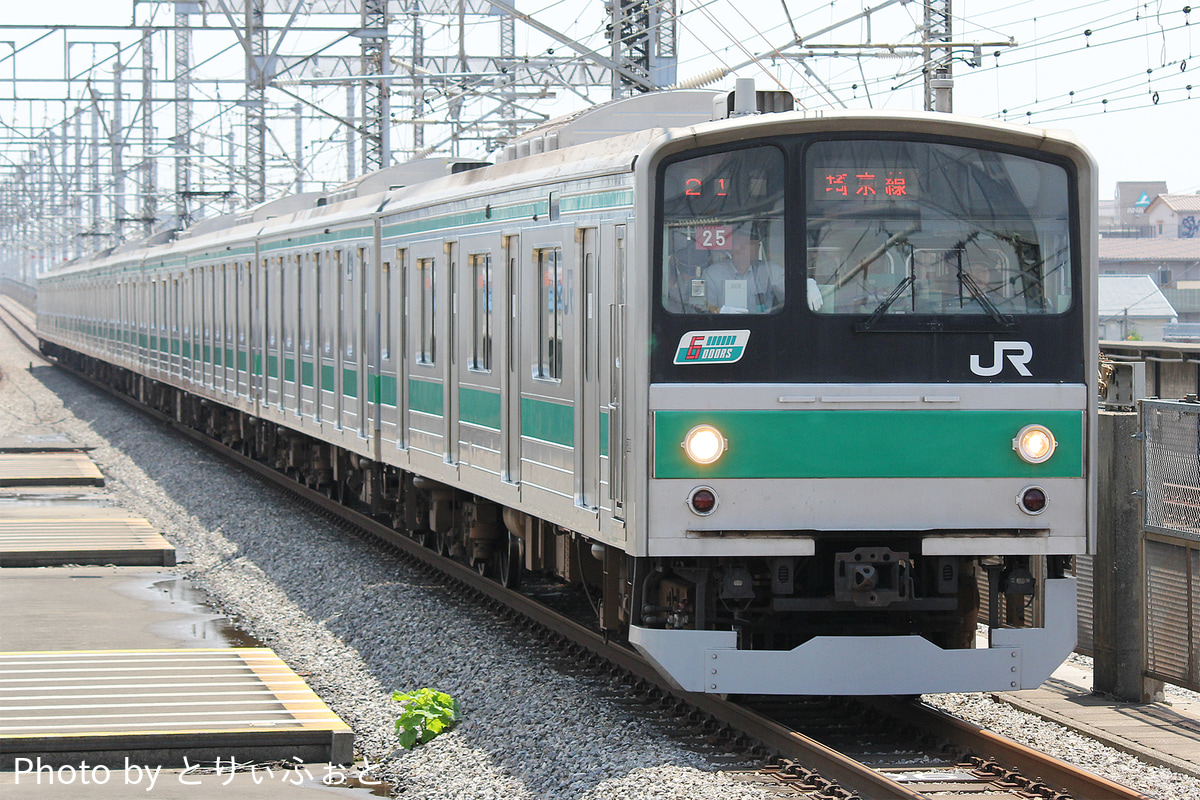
(806, 402)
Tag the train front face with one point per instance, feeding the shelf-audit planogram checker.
(872, 403)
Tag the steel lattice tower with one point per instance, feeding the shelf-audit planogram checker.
(376, 102)
(937, 59)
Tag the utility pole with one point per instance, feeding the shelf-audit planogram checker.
(149, 171)
(938, 69)
(183, 113)
(255, 43)
(298, 185)
(376, 91)
(116, 143)
(642, 41)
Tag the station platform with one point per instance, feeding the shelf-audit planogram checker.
(1166, 733)
(45, 527)
(53, 512)
(53, 468)
(117, 678)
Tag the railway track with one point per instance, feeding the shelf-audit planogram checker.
(875, 749)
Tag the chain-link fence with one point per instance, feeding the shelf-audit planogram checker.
(1171, 431)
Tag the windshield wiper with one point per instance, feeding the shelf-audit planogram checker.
(979, 294)
(887, 303)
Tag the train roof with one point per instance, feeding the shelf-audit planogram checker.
(602, 140)
(667, 109)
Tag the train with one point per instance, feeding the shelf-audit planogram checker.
(805, 401)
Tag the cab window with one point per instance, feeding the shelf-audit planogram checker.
(723, 233)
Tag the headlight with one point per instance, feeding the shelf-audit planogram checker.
(1035, 443)
(704, 444)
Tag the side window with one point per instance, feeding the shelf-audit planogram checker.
(481, 312)
(550, 314)
(723, 233)
(426, 311)
(385, 311)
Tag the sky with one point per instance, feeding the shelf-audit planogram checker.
(1120, 74)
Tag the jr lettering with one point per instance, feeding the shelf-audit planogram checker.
(1019, 355)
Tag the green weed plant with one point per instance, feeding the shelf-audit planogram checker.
(426, 713)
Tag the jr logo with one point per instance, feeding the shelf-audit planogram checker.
(1019, 354)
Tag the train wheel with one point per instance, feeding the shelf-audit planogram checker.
(508, 561)
(424, 538)
(441, 543)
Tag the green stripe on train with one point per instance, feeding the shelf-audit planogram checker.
(550, 422)
(869, 444)
(479, 407)
(425, 396)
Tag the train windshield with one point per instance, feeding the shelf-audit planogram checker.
(890, 227)
(724, 234)
(896, 227)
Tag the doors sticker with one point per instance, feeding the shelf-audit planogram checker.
(711, 347)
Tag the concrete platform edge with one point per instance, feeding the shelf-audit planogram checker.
(1115, 742)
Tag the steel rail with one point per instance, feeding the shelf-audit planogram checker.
(1076, 781)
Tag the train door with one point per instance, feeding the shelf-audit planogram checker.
(356, 366)
(404, 355)
(188, 304)
(479, 404)
(309, 266)
(289, 275)
(205, 355)
(245, 334)
(167, 342)
(587, 406)
(548, 383)
(616, 377)
(271, 306)
(152, 339)
(510, 385)
(329, 297)
(130, 318)
(385, 352)
(450, 379)
(146, 306)
(160, 326)
(228, 325)
(141, 308)
(212, 297)
(177, 325)
(426, 296)
(164, 325)
(196, 291)
(166, 320)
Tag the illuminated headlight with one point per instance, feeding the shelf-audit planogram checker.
(1035, 443)
(704, 444)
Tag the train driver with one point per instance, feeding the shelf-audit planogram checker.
(744, 284)
(935, 282)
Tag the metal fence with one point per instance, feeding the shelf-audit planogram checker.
(23, 293)
(1171, 447)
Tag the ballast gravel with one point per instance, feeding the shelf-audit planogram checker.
(358, 624)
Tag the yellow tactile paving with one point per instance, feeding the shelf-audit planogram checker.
(162, 695)
(78, 533)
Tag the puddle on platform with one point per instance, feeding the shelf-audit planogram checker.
(354, 786)
(196, 622)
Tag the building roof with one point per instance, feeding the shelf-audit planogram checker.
(1184, 300)
(1156, 250)
(1136, 295)
(1177, 202)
